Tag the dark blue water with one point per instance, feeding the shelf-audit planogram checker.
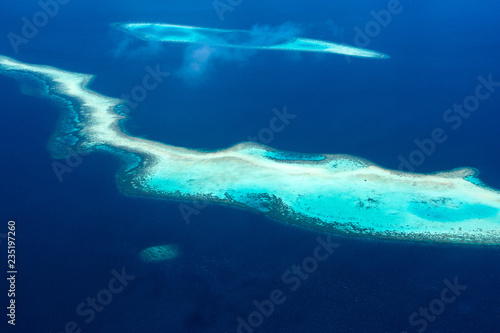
(72, 234)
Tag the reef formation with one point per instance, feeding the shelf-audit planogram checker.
(332, 193)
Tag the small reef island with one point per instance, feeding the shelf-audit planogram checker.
(242, 39)
(332, 193)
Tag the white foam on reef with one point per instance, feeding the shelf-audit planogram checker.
(239, 39)
(337, 193)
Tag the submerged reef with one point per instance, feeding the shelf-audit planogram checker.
(159, 253)
(242, 39)
(332, 193)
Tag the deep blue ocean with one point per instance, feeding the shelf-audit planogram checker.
(72, 234)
